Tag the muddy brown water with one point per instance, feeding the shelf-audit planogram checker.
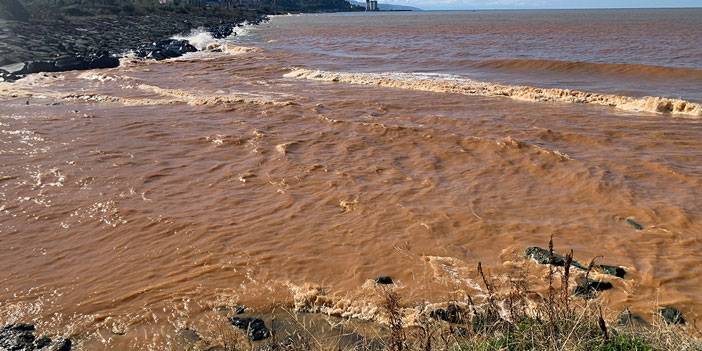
(136, 201)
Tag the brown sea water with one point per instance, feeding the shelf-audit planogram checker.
(336, 148)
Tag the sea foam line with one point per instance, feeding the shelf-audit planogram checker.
(458, 85)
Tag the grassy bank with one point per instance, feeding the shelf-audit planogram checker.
(511, 317)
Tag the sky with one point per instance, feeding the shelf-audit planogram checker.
(540, 4)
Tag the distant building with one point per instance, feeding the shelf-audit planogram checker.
(372, 5)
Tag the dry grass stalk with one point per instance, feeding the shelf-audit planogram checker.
(397, 338)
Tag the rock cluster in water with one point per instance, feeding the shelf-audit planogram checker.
(20, 337)
(164, 49)
(543, 256)
(97, 60)
(255, 328)
(588, 288)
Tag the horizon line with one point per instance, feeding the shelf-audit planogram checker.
(545, 8)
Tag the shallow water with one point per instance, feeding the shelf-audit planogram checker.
(137, 200)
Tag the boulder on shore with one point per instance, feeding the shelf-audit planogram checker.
(255, 328)
(6, 76)
(164, 49)
(671, 315)
(101, 59)
(384, 280)
(588, 288)
(452, 314)
(221, 30)
(20, 337)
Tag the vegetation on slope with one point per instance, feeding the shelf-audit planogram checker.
(507, 318)
(47, 9)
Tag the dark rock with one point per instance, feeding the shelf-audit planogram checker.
(17, 337)
(20, 327)
(626, 318)
(42, 342)
(384, 279)
(61, 345)
(70, 63)
(221, 31)
(671, 315)
(6, 76)
(543, 256)
(254, 327)
(39, 66)
(238, 309)
(611, 270)
(164, 49)
(98, 60)
(20, 337)
(588, 288)
(636, 225)
(452, 314)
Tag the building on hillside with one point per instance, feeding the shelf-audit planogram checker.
(221, 3)
(372, 5)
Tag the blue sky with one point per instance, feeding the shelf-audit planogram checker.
(542, 4)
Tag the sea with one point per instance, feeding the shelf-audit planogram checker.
(302, 158)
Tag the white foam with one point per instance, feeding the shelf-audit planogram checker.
(200, 38)
(243, 30)
(458, 85)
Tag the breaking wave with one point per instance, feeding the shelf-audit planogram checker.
(458, 85)
(200, 38)
(618, 69)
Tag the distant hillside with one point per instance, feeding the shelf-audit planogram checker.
(13, 10)
(310, 5)
(53, 9)
(388, 7)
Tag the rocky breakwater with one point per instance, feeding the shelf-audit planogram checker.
(20, 337)
(34, 46)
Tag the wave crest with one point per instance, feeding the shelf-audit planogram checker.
(458, 85)
(200, 38)
(619, 69)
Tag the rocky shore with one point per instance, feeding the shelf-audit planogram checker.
(466, 322)
(76, 43)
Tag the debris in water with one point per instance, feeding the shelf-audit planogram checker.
(384, 279)
(636, 225)
(587, 288)
(611, 270)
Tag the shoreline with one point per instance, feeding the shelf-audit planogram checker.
(59, 46)
(573, 301)
(156, 195)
